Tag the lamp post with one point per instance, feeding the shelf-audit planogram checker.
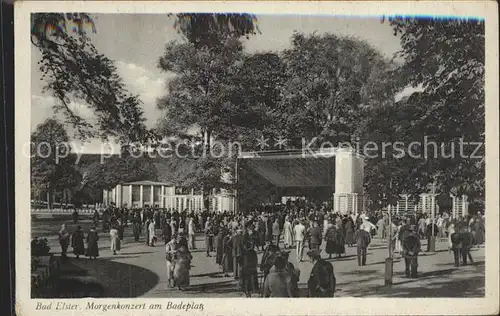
(389, 260)
(432, 239)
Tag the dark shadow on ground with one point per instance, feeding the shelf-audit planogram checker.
(100, 278)
(137, 253)
(228, 286)
(471, 287)
(359, 272)
(438, 283)
(211, 274)
(343, 258)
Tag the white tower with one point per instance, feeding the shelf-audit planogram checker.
(349, 174)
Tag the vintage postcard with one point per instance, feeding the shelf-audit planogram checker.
(256, 158)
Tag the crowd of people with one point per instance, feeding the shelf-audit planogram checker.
(234, 240)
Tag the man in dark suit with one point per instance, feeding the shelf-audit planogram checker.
(322, 280)
(362, 239)
(238, 246)
(316, 236)
(411, 248)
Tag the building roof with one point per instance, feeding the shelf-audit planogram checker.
(148, 182)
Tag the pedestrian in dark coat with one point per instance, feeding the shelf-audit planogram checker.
(219, 249)
(362, 239)
(349, 232)
(227, 259)
(92, 245)
(249, 282)
(411, 248)
(209, 238)
(330, 239)
(269, 229)
(237, 248)
(136, 226)
(322, 280)
(167, 232)
(315, 236)
(77, 242)
(339, 240)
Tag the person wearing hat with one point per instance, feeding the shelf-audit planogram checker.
(322, 280)
(362, 239)
(237, 249)
(279, 282)
(209, 237)
(411, 248)
(299, 231)
(77, 242)
(248, 270)
(92, 243)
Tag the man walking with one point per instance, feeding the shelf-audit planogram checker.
(238, 245)
(316, 236)
(322, 280)
(299, 231)
(411, 248)
(191, 233)
(362, 239)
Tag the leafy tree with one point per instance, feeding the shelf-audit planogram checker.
(72, 68)
(213, 29)
(391, 170)
(446, 58)
(52, 163)
(329, 80)
(116, 170)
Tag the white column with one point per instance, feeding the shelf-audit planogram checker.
(119, 201)
(162, 197)
(130, 196)
(152, 197)
(464, 205)
(141, 202)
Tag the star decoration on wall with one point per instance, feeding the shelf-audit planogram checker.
(281, 142)
(262, 142)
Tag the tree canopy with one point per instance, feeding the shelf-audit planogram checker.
(52, 163)
(445, 57)
(329, 80)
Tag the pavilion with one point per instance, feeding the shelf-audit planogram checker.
(328, 174)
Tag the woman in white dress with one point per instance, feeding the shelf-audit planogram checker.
(170, 249)
(451, 230)
(152, 237)
(288, 233)
(115, 241)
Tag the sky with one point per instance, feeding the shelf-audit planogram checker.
(136, 41)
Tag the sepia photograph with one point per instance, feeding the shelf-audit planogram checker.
(238, 154)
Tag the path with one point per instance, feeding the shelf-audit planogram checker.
(437, 276)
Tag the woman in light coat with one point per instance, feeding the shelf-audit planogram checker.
(115, 241)
(288, 233)
(170, 249)
(152, 237)
(451, 231)
(64, 239)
